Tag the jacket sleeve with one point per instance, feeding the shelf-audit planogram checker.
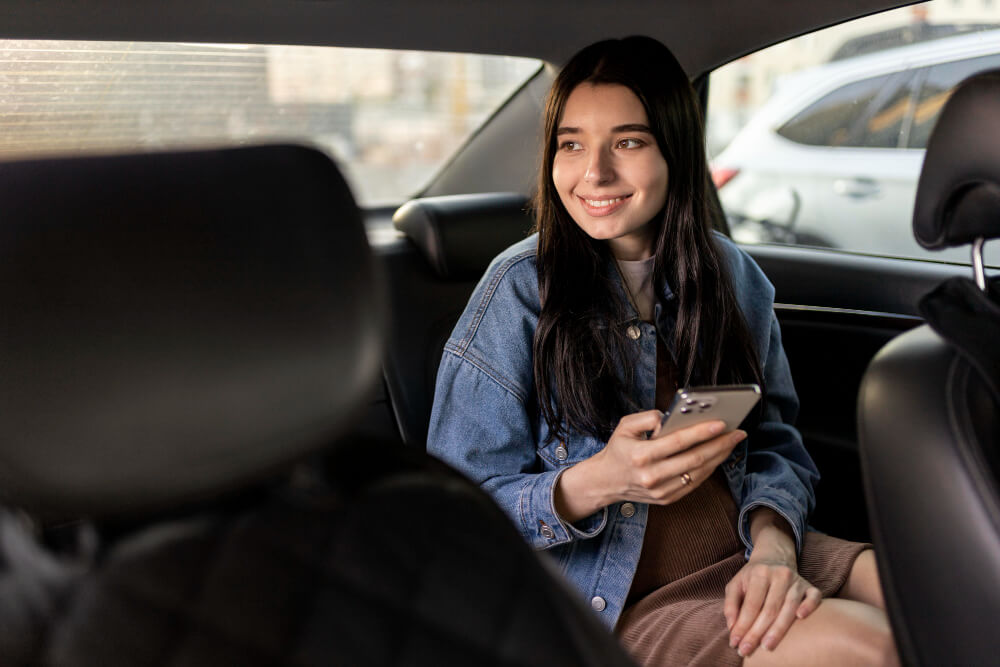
(779, 472)
(482, 422)
(479, 427)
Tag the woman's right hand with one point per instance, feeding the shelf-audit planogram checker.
(632, 468)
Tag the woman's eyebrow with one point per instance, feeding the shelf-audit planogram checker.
(627, 127)
(632, 127)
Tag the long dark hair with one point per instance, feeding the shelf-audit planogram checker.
(583, 362)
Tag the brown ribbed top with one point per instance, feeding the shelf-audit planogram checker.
(693, 533)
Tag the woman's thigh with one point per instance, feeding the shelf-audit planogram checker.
(839, 632)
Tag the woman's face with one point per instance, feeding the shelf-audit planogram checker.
(608, 169)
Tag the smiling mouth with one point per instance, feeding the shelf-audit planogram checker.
(604, 206)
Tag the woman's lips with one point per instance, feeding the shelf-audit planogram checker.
(604, 205)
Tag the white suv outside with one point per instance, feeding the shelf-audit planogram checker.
(832, 158)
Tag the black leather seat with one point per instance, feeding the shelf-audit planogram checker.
(187, 339)
(929, 411)
(454, 237)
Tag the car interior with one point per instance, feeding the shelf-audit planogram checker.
(945, 376)
(218, 368)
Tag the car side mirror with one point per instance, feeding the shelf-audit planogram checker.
(777, 206)
(769, 217)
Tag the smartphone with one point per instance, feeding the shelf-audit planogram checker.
(693, 405)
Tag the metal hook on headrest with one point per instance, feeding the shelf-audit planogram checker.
(977, 262)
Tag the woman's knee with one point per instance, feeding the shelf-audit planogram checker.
(863, 582)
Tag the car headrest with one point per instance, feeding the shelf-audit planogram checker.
(958, 194)
(177, 324)
(460, 234)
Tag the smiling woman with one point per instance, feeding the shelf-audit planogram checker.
(691, 544)
(608, 170)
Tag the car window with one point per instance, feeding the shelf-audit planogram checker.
(390, 118)
(818, 141)
(888, 119)
(835, 119)
(936, 89)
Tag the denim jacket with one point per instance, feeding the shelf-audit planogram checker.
(486, 423)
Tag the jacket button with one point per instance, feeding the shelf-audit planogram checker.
(633, 332)
(597, 603)
(627, 510)
(561, 452)
(547, 531)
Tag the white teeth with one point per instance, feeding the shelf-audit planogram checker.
(602, 203)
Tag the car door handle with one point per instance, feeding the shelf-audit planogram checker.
(858, 187)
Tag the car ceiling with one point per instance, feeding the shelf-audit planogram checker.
(703, 34)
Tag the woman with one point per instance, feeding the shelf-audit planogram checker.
(693, 545)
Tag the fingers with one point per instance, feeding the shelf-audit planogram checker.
(762, 615)
(756, 584)
(809, 604)
(732, 602)
(666, 468)
(698, 462)
(678, 441)
(636, 425)
(710, 453)
(777, 612)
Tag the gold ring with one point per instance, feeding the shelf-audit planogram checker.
(685, 479)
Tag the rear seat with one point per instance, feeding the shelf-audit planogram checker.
(451, 241)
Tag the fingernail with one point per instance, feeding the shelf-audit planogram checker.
(740, 435)
(745, 649)
(768, 643)
(734, 642)
(717, 427)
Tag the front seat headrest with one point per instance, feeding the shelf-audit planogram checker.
(958, 193)
(459, 235)
(177, 324)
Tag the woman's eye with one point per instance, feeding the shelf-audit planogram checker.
(629, 143)
(569, 146)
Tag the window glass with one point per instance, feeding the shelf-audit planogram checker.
(936, 90)
(390, 118)
(889, 118)
(819, 140)
(832, 120)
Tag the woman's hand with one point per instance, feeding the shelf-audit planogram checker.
(767, 594)
(630, 467)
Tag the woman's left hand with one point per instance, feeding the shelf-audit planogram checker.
(767, 594)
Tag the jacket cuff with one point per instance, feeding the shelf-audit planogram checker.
(797, 523)
(540, 522)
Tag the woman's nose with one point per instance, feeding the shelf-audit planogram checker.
(599, 168)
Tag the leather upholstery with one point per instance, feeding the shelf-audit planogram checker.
(177, 323)
(200, 324)
(926, 420)
(399, 564)
(958, 193)
(929, 419)
(451, 242)
(459, 234)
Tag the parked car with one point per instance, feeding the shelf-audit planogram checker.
(447, 143)
(832, 158)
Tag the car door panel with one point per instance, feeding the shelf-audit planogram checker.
(836, 311)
